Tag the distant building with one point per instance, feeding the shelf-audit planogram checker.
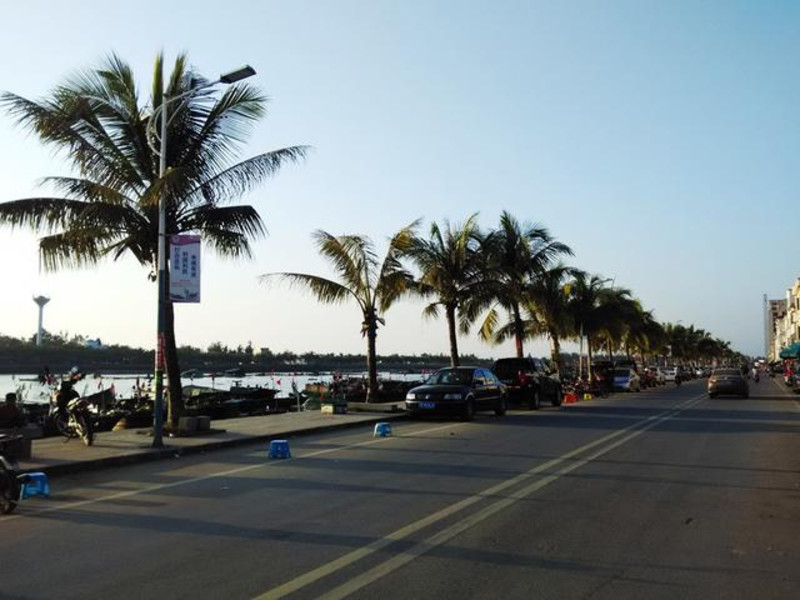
(784, 318)
(774, 310)
(94, 344)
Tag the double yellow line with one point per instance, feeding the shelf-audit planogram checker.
(599, 447)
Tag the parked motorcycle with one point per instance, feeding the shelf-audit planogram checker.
(70, 414)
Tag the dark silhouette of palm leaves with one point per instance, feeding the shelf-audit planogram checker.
(450, 273)
(519, 254)
(109, 207)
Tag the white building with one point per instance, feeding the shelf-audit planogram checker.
(785, 316)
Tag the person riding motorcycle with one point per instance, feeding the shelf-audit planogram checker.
(66, 391)
(69, 412)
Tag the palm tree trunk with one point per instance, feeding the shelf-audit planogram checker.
(610, 351)
(555, 350)
(372, 367)
(589, 356)
(175, 405)
(451, 328)
(518, 331)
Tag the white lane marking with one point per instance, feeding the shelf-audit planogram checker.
(225, 473)
(351, 557)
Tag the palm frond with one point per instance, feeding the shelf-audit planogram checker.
(63, 127)
(489, 325)
(391, 287)
(87, 190)
(347, 254)
(69, 250)
(246, 175)
(41, 214)
(325, 290)
(243, 220)
(431, 311)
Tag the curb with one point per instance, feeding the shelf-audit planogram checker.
(150, 454)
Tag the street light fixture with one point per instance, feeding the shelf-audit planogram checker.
(158, 409)
(237, 75)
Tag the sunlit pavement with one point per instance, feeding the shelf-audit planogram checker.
(660, 494)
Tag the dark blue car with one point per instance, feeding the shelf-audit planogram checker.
(458, 391)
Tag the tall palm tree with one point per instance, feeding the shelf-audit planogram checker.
(547, 304)
(374, 286)
(110, 206)
(645, 334)
(450, 273)
(518, 254)
(615, 310)
(585, 292)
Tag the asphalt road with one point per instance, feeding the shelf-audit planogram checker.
(663, 494)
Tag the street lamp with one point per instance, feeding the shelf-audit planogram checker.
(158, 409)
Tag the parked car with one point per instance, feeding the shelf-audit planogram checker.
(669, 373)
(529, 381)
(627, 380)
(728, 382)
(458, 391)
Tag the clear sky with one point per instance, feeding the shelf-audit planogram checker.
(659, 139)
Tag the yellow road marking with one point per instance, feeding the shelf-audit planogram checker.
(449, 533)
(351, 557)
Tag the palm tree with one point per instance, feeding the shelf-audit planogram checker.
(547, 304)
(374, 286)
(449, 273)
(517, 255)
(584, 294)
(645, 334)
(110, 208)
(615, 310)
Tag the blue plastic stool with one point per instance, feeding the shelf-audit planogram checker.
(35, 484)
(382, 430)
(279, 449)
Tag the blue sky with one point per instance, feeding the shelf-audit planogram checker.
(659, 139)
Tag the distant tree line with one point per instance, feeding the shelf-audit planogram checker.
(60, 352)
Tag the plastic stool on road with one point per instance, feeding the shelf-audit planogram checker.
(279, 449)
(382, 430)
(35, 484)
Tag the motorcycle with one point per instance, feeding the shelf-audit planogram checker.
(70, 415)
(677, 381)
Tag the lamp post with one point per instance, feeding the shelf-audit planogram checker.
(158, 409)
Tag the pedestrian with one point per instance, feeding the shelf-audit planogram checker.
(11, 416)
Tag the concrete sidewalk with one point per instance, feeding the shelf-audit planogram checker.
(57, 456)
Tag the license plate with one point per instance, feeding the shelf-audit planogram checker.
(427, 405)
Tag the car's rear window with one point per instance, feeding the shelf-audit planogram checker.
(451, 377)
(510, 367)
(728, 372)
(622, 372)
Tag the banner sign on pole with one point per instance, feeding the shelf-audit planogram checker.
(184, 268)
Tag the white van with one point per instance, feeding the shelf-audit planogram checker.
(669, 373)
